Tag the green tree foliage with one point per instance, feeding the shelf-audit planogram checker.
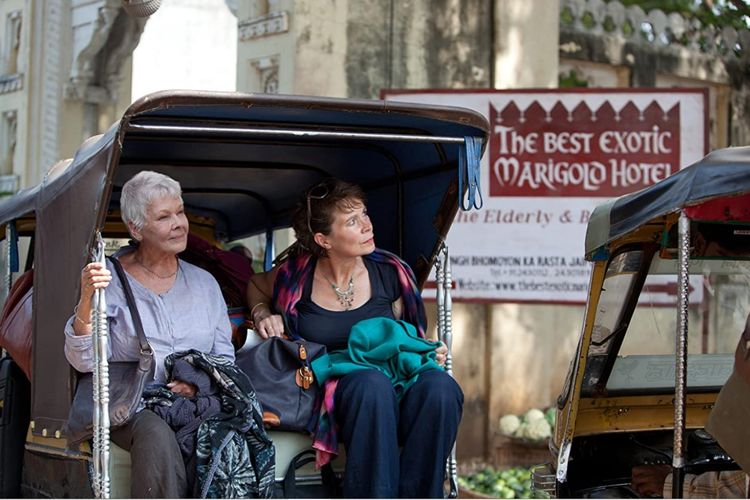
(719, 13)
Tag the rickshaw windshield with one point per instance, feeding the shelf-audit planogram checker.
(635, 353)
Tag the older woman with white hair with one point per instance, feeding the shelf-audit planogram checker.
(181, 308)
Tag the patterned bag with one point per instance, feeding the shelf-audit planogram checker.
(234, 456)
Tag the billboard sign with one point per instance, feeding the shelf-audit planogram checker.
(552, 156)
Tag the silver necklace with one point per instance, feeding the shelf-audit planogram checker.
(155, 273)
(345, 297)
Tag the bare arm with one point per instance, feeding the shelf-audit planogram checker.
(260, 287)
(78, 341)
(259, 301)
(398, 308)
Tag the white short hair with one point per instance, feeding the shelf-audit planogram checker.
(141, 190)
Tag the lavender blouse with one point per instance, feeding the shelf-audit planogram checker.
(191, 315)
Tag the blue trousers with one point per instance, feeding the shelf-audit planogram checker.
(373, 425)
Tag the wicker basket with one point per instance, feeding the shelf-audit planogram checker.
(511, 452)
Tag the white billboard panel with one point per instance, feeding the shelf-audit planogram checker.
(552, 156)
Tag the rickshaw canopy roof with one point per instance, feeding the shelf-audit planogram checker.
(243, 160)
(715, 187)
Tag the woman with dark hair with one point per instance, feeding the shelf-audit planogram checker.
(330, 280)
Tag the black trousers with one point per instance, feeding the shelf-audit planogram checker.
(373, 425)
(157, 469)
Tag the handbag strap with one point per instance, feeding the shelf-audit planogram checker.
(327, 476)
(145, 346)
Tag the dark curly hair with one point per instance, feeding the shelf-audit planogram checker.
(323, 199)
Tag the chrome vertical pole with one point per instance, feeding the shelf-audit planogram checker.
(448, 339)
(448, 311)
(681, 339)
(101, 385)
(440, 282)
(10, 235)
(445, 334)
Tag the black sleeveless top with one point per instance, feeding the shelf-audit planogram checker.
(332, 328)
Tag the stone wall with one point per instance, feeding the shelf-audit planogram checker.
(418, 44)
(364, 46)
(658, 50)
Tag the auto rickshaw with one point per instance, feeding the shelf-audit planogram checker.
(668, 299)
(242, 160)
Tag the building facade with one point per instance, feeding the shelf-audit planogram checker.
(65, 75)
(73, 78)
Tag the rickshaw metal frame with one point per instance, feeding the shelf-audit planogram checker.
(619, 333)
(445, 334)
(641, 219)
(101, 163)
(681, 350)
(100, 340)
(295, 133)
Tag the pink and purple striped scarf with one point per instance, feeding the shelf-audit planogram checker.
(287, 291)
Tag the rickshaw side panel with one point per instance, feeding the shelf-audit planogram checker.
(50, 476)
(605, 429)
(67, 214)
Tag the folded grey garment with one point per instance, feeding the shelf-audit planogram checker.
(186, 372)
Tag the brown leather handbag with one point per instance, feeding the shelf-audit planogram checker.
(127, 379)
(17, 320)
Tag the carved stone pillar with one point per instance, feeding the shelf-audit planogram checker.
(104, 36)
(267, 74)
(47, 59)
(11, 44)
(91, 32)
(9, 131)
(263, 27)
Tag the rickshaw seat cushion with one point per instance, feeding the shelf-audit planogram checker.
(17, 320)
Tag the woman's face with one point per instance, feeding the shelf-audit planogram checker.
(166, 226)
(351, 232)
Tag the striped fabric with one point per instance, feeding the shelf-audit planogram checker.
(713, 484)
